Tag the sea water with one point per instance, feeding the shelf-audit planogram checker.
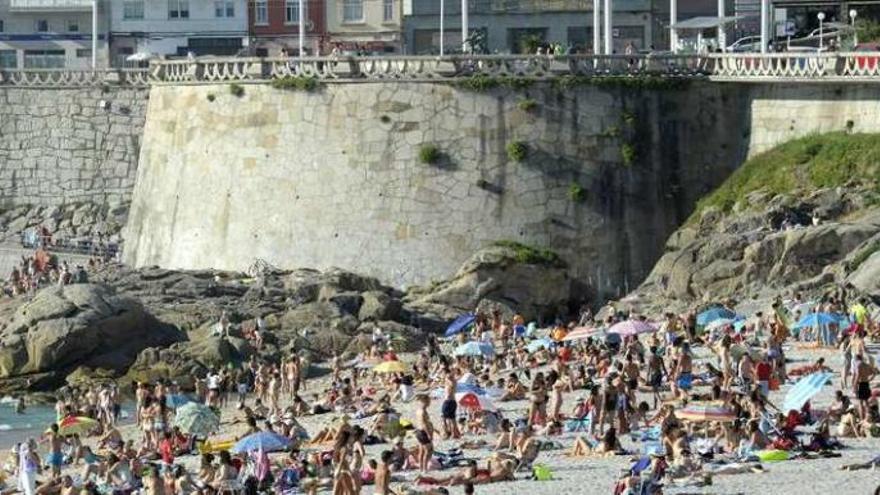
(17, 427)
(36, 419)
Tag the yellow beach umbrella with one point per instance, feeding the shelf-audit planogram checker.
(390, 367)
(76, 424)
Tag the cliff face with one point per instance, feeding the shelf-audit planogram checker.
(804, 217)
(339, 177)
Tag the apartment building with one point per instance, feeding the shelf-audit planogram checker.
(274, 26)
(365, 26)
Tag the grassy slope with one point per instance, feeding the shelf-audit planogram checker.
(816, 161)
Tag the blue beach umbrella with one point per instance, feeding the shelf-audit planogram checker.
(804, 390)
(475, 349)
(266, 441)
(816, 320)
(460, 324)
(715, 313)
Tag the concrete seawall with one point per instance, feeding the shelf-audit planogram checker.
(334, 178)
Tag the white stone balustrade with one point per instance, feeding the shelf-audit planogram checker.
(740, 67)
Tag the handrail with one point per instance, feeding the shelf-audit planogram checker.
(831, 66)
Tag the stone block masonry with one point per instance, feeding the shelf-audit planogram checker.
(63, 146)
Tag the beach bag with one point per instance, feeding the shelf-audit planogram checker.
(541, 472)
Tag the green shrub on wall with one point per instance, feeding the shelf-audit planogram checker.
(429, 154)
(517, 151)
(532, 255)
(296, 83)
(627, 154)
(236, 90)
(527, 104)
(577, 193)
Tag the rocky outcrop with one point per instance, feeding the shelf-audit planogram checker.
(511, 275)
(73, 220)
(770, 244)
(63, 328)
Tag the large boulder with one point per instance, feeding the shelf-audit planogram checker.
(62, 328)
(534, 282)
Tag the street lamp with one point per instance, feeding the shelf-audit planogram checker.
(852, 18)
(821, 17)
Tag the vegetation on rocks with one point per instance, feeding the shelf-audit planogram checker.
(816, 161)
(527, 104)
(531, 255)
(236, 90)
(482, 82)
(577, 193)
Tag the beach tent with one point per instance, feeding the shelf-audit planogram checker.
(714, 313)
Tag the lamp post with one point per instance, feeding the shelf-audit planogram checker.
(94, 34)
(852, 19)
(609, 43)
(302, 29)
(464, 26)
(442, 14)
(597, 27)
(821, 17)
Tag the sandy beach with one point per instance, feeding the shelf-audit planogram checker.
(598, 475)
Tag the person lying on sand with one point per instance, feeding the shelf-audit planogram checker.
(609, 445)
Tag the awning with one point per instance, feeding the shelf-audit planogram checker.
(705, 22)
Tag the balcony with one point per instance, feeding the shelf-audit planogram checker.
(50, 5)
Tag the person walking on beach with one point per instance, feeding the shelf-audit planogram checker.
(28, 467)
(55, 458)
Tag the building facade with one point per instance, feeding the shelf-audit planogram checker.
(274, 26)
(177, 28)
(365, 26)
(510, 25)
(38, 34)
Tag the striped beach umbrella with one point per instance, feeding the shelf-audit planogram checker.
(580, 333)
(76, 425)
(804, 390)
(632, 327)
(706, 411)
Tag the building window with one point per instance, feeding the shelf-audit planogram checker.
(72, 26)
(224, 8)
(8, 59)
(261, 12)
(44, 59)
(41, 26)
(1, 25)
(352, 10)
(178, 9)
(387, 10)
(291, 11)
(83, 53)
(133, 9)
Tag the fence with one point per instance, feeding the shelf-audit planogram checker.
(742, 67)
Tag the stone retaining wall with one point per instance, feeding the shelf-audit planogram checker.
(61, 146)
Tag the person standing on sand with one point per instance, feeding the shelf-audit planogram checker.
(28, 467)
(383, 474)
(55, 458)
(449, 407)
(864, 372)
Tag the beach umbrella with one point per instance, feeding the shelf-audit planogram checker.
(266, 441)
(580, 333)
(197, 419)
(715, 313)
(176, 400)
(474, 402)
(390, 367)
(632, 327)
(705, 411)
(804, 390)
(475, 349)
(817, 320)
(460, 324)
(76, 425)
(536, 345)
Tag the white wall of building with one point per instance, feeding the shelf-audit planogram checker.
(49, 37)
(159, 31)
